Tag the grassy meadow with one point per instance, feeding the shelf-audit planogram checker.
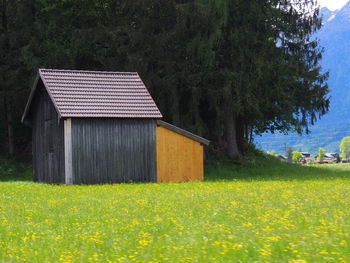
(258, 211)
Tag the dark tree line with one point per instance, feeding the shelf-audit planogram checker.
(224, 69)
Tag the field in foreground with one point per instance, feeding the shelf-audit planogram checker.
(261, 211)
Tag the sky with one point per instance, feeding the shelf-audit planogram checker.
(333, 4)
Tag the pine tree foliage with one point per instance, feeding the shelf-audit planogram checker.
(225, 69)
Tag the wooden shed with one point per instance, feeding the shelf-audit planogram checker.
(92, 127)
(179, 154)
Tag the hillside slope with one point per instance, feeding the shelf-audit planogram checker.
(328, 132)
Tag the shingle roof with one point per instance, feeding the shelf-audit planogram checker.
(78, 93)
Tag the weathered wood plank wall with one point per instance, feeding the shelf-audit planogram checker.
(179, 159)
(48, 141)
(113, 150)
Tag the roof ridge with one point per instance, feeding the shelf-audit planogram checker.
(89, 71)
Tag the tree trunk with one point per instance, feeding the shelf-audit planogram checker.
(231, 132)
(250, 138)
(9, 120)
(175, 111)
(240, 134)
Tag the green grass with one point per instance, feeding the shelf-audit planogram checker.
(10, 170)
(259, 211)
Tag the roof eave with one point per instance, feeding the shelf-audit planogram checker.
(50, 95)
(161, 115)
(31, 96)
(183, 132)
(156, 118)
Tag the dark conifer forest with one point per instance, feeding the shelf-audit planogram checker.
(225, 69)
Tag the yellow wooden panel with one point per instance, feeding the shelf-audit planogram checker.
(179, 159)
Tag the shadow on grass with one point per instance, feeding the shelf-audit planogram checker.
(12, 171)
(257, 168)
(16, 178)
(269, 168)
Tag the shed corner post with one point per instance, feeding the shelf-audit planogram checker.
(155, 138)
(68, 162)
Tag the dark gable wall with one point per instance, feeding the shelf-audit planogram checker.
(48, 140)
(110, 150)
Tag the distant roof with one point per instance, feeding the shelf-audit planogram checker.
(183, 132)
(78, 93)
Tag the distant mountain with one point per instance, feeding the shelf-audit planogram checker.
(328, 132)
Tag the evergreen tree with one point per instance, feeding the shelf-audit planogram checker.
(223, 69)
(15, 33)
(268, 66)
